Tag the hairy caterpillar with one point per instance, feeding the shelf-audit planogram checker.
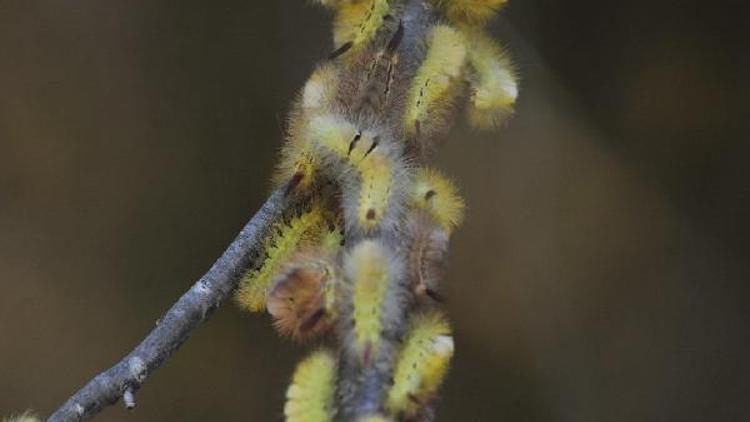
(356, 139)
(436, 85)
(368, 165)
(310, 395)
(377, 293)
(286, 238)
(422, 364)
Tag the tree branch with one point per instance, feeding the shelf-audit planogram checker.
(193, 308)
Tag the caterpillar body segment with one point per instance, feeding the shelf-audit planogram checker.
(377, 294)
(435, 194)
(370, 168)
(475, 12)
(493, 82)
(436, 85)
(309, 398)
(283, 241)
(422, 364)
(299, 161)
(428, 248)
(302, 298)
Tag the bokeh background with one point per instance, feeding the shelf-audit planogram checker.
(601, 274)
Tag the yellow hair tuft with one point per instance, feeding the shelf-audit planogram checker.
(493, 81)
(309, 397)
(438, 196)
(476, 12)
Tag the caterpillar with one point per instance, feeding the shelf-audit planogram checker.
(376, 299)
(284, 240)
(370, 168)
(436, 85)
(310, 394)
(422, 364)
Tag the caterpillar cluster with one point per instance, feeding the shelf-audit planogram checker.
(357, 262)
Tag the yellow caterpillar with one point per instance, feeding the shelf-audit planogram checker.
(376, 295)
(369, 167)
(422, 364)
(309, 398)
(436, 84)
(283, 241)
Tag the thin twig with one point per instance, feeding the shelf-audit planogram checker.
(192, 309)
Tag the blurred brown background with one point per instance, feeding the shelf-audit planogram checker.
(601, 274)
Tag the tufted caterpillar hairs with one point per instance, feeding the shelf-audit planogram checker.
(437, 84)
(493, 81)
(309, 397)
(475, 12)
(359, 265)
(349, 248)
(310, 227)
(422, 364)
